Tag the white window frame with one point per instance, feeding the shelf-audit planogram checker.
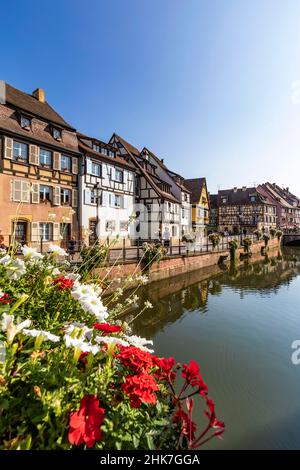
(20, 146)
(49, 153)
(46, 231)
(93, 166)
(42, 186)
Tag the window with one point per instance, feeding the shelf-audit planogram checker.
(96, 169)
(116, 201)
(174, 231)
(110, 225)
(123, 225)
(111, 153)
(65, 197)
(96, 148)
(224, 200)
(182, 213)
(56, 133)
(65, 163)
(25, 122)
(46, 231)
(45, 193)
(93, 197)
(45, 158)
(20, 151)
(253, 198)
(104, 150)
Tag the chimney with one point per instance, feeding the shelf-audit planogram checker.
(39, 94)
(162, 160)
(235, 189)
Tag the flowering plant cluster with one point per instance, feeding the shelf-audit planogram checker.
(152, 253)
(70, 377)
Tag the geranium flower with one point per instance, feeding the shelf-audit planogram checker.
(187, 426)
(85, 423)
(140, 388)
(107, 328)
(134, 358)
(165, 366)
(191, 373)
(4, 298)
(63, 283)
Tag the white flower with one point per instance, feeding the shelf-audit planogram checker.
(111, 340)
(15, 269)
(1, 293)
(82, 290)
(79, 343)
(79, 330)
(94, 306)
(55, 272)
(119, 291)
(31, 253)
(57, 250)
(40, 333)
(143, 279)
(148, 304)
(5, 260)
(139, 342)
(11, 328)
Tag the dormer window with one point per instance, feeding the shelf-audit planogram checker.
(25, 123)
(56, 133)
(96, 148)
(224, 200)
(111, 153)
(253, 198)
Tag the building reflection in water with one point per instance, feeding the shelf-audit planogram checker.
(175, 297)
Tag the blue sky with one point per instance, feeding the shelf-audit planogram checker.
(213, 86)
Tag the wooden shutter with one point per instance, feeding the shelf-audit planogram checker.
(35, 193)
(74, 198)
(56, 196)
(104, 199)
(16, 190)
(87, 196)
(8, 148)
(35, 231)
(56, 232)
(56, 160)
(34, 155)
(124, 201)
(75, 165)
(25, 195)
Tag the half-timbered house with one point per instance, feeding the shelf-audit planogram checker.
(245, 210)
(157, 209)
(38, 171)
(200, 205)
(106, 187)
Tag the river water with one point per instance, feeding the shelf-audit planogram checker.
(238, 324)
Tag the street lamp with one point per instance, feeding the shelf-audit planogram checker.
(98, 194)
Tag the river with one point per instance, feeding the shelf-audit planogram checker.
(238, 324)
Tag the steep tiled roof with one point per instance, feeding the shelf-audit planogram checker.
(195, 186)
(113, 160)
(31, 105)
(238, 196)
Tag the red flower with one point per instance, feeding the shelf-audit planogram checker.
(211, 414)
(140, 388)
(63, 283)
(165, 366)
(107, 328)
(4, 299)
(85, 423)
(187, 426)
(191, 374)
(135, 358)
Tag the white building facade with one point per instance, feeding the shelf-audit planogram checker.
(106, 188)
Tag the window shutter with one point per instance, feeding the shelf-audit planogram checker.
(124, 201)
(16, 190)
(56, 232)
(25, 193)
(35, 194)
(111, 199)
(88, 166)
(33, 155)
(35, 235)
(75, 165)
(104, 200)
(8, 148)
(74, 198)
(87, 196)
(56, 197)
(56, 161)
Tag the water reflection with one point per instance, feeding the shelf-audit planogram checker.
(176, 297)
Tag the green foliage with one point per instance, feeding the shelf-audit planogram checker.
(273, 232)
(215, 239)
(233, 246)
(279, 234)
(257, 233)
(247, 242)
(152, 253)
(92, 257)
(266, 239)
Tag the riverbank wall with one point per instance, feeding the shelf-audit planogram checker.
(176, 265)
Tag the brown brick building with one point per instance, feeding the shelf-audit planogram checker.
(39, 163)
